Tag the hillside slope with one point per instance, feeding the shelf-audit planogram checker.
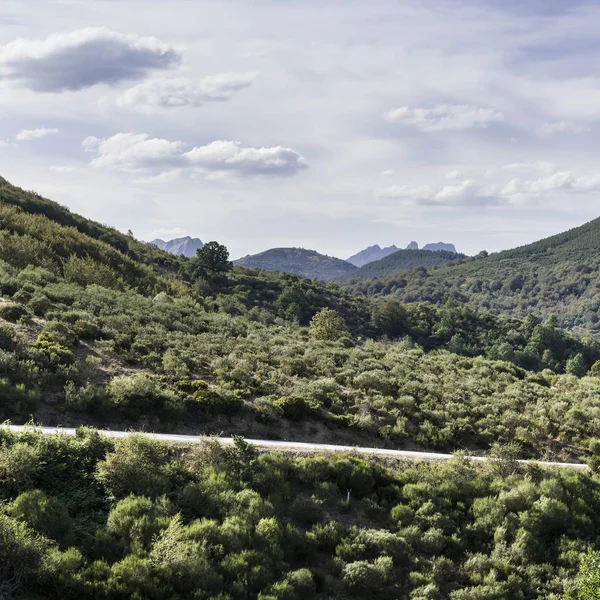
(557, 275)
(90, 336)
(40, 232)
(87, 517)
(298, 260)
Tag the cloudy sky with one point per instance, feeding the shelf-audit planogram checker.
(326, 125)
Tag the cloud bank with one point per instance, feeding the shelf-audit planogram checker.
(519, 190)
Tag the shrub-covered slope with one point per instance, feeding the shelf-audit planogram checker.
(79, 343)
(41, 232)
(297, 260)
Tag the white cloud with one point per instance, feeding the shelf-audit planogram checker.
(83, 58)
(62, 169)
(561, 180)
(387, 173)
(444, 117)
(233, 157)
(133, 152)
(26, 135)
(179, 92)
(173, 232)
(163, 159)
(164, 177)
(406, 191)
(549, 129)
(540, 165)
(453, 175)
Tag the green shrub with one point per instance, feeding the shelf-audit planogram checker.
(292, 407)
(135, 520)
(39, 305)
(296, 585)
(136, 466)
(140, 394)
(20, 464)
(327, 325)
(12, 312)
(363, 577)
(90, 398)
(8, 337)
(21, 555)
(46, 514)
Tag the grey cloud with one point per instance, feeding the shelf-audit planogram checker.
(549, 129)
(233, 157)
(82, 59)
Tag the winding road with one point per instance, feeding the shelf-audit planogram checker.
(284, 446)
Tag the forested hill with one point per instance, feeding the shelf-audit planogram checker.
(298, 260)
(401, 260)
(557, 275)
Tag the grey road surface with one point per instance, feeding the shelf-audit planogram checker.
(289, 446)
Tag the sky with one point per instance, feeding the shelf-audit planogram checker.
(324, 125)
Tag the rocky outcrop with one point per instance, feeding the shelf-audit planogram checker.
(185, 246)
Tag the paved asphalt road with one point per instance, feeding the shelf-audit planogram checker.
(297, 446)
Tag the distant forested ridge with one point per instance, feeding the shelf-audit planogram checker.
(297, 260)
(401, 260)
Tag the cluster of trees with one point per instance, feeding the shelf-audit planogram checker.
(529, 343)
(89, 517)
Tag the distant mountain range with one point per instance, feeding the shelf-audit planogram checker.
(298, 260)
(185, 246)
(373, 261)
(374, 253)
(371, 254)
